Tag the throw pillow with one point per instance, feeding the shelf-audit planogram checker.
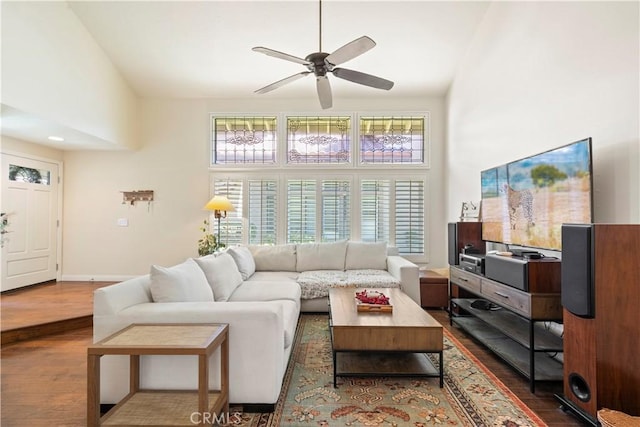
(181, 283)
(274, 258)
(244, 260)
(366, 255)
(222, 274)
(321, 256)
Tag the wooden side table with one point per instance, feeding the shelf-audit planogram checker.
(434, 289)
(165, 407)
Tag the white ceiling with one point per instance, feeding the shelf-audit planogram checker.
(202, 49)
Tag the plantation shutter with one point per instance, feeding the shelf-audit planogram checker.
(335, 210)
(375, 210)
(409, 209)
(262, 211)
(301, 211)
(231, 226)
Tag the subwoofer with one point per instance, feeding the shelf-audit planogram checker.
(462, 234)
(601, 300)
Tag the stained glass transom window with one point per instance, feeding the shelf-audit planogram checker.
(319, 139)
(392, 139)
(244, 140)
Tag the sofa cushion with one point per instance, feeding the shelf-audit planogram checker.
(254, 290)
(274, 258)
(181, 283)
(365, 255)
(321, 256)
(222, 274)
(244, 260)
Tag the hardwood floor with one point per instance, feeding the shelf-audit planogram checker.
(43, 379)
(46, 308)
(543, 402)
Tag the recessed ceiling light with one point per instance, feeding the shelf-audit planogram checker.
(55, 138)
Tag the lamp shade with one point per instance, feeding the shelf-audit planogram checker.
(219, 203)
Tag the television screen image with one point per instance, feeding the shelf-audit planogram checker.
(526, 202)
(494, 204)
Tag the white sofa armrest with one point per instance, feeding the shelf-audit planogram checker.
(407, 273)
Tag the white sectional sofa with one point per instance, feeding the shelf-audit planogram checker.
(258, 290)
(317, 267)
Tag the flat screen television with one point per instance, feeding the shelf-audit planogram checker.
(525, 202)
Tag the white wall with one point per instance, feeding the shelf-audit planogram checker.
(543, 74)
(53, 69)
(173, 161)
(36, 151)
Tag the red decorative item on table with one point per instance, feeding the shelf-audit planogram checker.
(373, 301)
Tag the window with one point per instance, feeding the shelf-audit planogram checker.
(263, 211)
(30, 175)
(392, 139)
(335, 210)
(409, 216)
(405, 209)
(318, 208)
(318, 139)
(229, 229)
(293, 179)
(242, 140)
(375, 201)
(301, 211)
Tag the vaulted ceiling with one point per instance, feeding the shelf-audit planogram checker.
(202, 49)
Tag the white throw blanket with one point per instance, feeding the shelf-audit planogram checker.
(316, 284)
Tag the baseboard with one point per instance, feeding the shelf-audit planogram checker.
(96, 278)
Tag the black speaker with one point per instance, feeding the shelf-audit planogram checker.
(577, 275)
(462, 234)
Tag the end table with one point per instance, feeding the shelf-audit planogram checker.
(166, 407)
(434, 289)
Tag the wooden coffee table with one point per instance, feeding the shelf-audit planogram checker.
(362, 342)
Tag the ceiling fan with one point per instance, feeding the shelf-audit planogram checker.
(320, 63)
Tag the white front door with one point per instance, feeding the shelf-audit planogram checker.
(30, 200)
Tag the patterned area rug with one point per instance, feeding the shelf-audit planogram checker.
(471, 396)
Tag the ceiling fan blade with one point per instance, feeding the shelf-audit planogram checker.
(282, 82)
(280, 55)
(324, 92)
(350, 50)
(363, 78)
